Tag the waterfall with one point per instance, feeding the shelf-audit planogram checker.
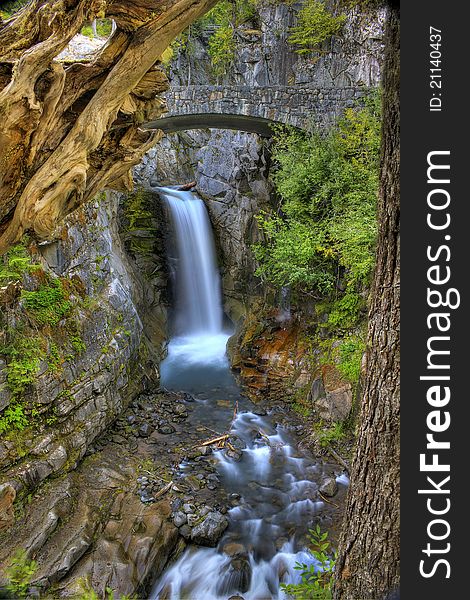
(199, 305)
(200, 338)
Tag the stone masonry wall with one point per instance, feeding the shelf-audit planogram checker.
(300, 106)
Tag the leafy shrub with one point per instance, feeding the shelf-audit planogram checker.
(8, 8)
(222, 22)
(13, 417)
(24, 354)
(315, 25)
(345, 311)
(20, 573)
(325, 230)
(316, 579)
(103, 29)
(222, 49)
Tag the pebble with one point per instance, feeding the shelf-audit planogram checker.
(193, 520)
(166, 429)
(329, 487)
(145, 430)
(180, 519)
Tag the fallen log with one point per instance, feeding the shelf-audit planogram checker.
(187, 187)
(221, 438)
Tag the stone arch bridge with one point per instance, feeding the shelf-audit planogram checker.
(255, 108)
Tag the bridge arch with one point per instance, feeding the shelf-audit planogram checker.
(174, 123)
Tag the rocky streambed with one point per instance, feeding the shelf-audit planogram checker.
(151, 485)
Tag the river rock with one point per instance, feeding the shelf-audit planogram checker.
(235, 454)
(234, 549)
(189, 508)
(208, 532)
(193, 519)
(166, 429)
(145, 430)
(185, 531)
(329, 487)
(235, 576)
(179, 519)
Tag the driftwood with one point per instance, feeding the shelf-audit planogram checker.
(222, 440)
(217, 440)
(67, 131)
(340, 460)
(164, 490)
(187, 186)
(328, 501)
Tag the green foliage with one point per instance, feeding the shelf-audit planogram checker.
(88, 593)
(316, 579)
(74, 336)
(344, 312)
(351, 351)
(15, 263)
(48, 304)
(20, 573)
(34, 338)
(221, 49)
(324, 234)
(13, 418)
(136, 211)
(222, 22)
(9, 8)
(25, 353)
(54, 358)
(315, 24)
(327, 436)
(103, 29)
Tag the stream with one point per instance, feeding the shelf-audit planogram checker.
(272, 485)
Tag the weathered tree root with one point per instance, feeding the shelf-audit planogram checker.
(68, 131)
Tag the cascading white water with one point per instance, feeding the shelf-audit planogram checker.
(198, 322)
(197, 281)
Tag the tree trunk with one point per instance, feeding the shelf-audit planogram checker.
(367, 567)
(69, 130)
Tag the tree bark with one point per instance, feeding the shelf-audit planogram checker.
(69, 130)
(367, 566)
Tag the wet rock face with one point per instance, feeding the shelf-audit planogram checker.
(271, 354)
(92, 526)
(117, 517)
(264, 57)
(95, 383)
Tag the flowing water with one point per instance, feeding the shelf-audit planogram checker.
(274, 486)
